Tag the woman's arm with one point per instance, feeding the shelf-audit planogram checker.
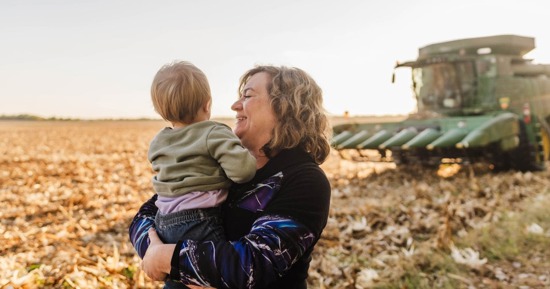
(259, 258)
(156, 262)
(142, 222)
(273, 245)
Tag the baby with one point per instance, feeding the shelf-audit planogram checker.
(195, 160)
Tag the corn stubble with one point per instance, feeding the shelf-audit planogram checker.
(69, 190)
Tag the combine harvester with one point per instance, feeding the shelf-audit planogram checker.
(478, 100)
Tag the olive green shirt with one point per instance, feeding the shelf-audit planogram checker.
(203, 156)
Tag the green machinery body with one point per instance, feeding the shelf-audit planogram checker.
(478, 99)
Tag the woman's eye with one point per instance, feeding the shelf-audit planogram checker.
(246, 96)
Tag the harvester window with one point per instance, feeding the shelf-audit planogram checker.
(467, 81)
(436, 86)
(486, 68)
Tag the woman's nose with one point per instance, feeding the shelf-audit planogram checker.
(236, 105)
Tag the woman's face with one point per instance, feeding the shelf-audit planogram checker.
(255, 117)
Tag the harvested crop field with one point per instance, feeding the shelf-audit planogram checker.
(69, 190)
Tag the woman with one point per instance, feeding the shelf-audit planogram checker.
(272, 222)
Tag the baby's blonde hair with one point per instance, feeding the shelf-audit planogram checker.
(179, 90)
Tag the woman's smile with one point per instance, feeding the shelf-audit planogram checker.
(255, 117)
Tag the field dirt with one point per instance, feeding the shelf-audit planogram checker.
(70, 189)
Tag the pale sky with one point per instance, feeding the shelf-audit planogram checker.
(96, 59)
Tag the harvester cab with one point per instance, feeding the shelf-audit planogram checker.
(478, 100)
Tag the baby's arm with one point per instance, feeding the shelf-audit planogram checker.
(237, 162)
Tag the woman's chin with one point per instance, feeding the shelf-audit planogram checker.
(239, 129)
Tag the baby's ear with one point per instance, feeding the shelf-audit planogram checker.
(207, 106)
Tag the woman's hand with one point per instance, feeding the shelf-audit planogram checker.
(156, 262)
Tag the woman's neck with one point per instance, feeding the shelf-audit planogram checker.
(261, 161)
(262, 158)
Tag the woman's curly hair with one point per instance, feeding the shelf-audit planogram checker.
(297, 101)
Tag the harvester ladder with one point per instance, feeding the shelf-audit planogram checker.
(542, 127)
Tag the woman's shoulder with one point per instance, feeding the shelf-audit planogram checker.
(299, 161)
(301, 173)
(308, 173)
